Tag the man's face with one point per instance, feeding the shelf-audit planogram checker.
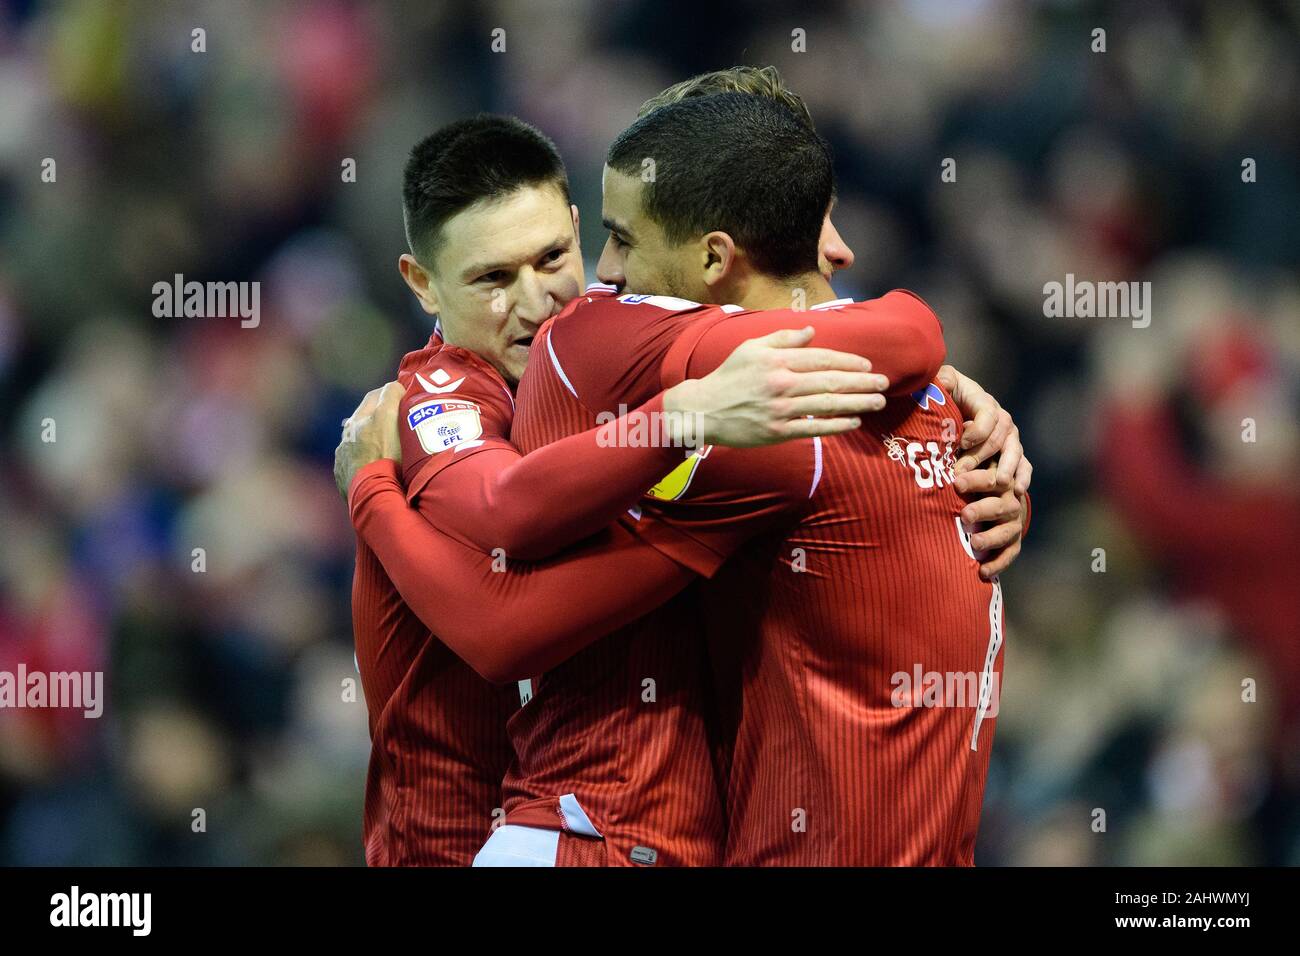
(503, 268)
(638, 258)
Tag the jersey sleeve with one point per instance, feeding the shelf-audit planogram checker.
(455, 406)
(507, 619)
(608, 349)
(898, 332)
(530, 506)
(719, 499)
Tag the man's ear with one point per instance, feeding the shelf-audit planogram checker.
(417, 280)
(720, 261)
(577, 232)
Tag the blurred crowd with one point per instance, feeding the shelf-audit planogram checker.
(168, 513)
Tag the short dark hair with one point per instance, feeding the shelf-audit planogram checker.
(481, 158)
(744, 164)
(755, 80)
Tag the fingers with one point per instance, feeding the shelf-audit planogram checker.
(1009, 457)
(816, 360)
(996, 537)
(999, 563)
(390, 398)
(824, 405)
(990, 446)
(1001, 542)
(978, 429)
(368, 404)
(813, 383)
(991, 509)
(387, 395)
(975, 403)
(1023, 475)
(980, 481)
(784, 338)
(980, 408)
(814, 427)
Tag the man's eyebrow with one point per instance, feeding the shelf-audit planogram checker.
(562, 241)
(617, 227)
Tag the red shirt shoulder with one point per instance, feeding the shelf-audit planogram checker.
(455, 405)
(608, 348)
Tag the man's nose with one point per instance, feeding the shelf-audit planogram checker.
(609, 269)
(534, 303)
(834, 249)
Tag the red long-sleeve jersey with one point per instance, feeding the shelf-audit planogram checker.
(856, 651)
(439, 748)
(621, 739)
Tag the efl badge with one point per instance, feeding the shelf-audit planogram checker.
(445, 424)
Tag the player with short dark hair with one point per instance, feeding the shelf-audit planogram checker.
(551, 810)
(473, 160)
(860, 568)
(736, 147)
(494, 253)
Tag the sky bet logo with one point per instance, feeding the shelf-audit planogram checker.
(421, 412)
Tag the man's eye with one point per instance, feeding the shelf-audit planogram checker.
(492, 277)
(555, 255)
(618, 240)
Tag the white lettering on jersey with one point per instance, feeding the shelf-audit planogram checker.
(930, 467)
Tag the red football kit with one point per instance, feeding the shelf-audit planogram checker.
(439, 745)
(857, 653)
(858, 659)
(899, 335)
(623, 739)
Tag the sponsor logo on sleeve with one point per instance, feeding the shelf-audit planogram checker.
(445, 424)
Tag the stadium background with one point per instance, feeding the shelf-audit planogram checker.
(1123, 688)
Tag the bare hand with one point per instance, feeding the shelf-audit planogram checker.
(767, 389)
(989, 431)
(993, 472)
(1002, 513)
(369, 434)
